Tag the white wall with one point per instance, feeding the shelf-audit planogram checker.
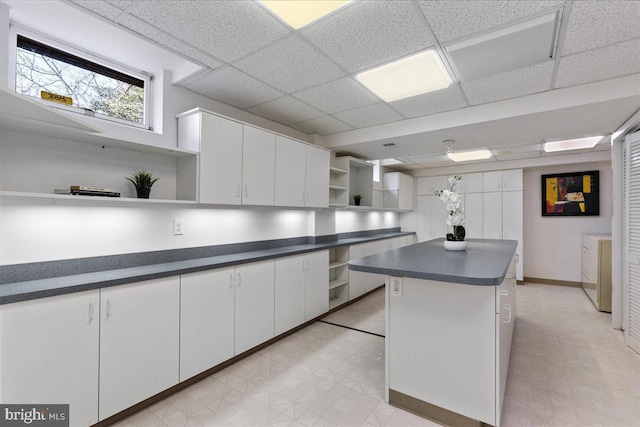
(552, 245)
(348, 220)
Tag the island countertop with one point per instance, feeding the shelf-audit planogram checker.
(484, 263)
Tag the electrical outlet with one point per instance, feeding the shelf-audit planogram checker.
(178, 227)
(396, 286)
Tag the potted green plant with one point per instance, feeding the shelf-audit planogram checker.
(143, 181)
(356, 199)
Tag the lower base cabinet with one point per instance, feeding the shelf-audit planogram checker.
(139, 342)
(254, 305)
(49, 353)
(206, 320)
(316, 285)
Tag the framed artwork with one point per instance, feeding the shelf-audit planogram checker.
(571, 194)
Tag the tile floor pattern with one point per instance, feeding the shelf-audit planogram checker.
(366, 314)
(568, 368)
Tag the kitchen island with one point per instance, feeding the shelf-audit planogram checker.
(449, 324)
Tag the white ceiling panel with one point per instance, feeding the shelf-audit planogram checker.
(518, 149)
(286, 110)
(290, 65)
(431, 103)
(121, 4)
(524, 81)
(339, 95)
(452, 20)
(164, 39)
(225, 29)
(595, 24)
(517, 156)
(371, 115)
(599, 64)
(432, 161)
(370, 33)
(324, 125)
(104, 9)
(233, 87)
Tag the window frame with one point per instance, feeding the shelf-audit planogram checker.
(147, 78)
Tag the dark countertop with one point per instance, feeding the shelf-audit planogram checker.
(484, 263)
(63, 277)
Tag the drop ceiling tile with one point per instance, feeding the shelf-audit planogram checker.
(290, 65)
(101, 8)
(518, 149)
(451, 20)
(430, 103)
(324, 125)
(285, 110)
(371, 115)
(524, 81)
(339, 95)
(599, 64)
(432, 161)
(164, 39)
(370, 33)
(120, 4)
(598, 23)
(517, 156)
(233, 87)
(225, 29)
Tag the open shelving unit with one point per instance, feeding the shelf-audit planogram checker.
(339, 183)
(338, 276)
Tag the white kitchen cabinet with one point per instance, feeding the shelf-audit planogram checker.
(206, 320)
(491, 215)
(258, 167)
(512, 226)
(317, 177)
(50, 352)
(505, 321)
(290, 172)
(431, 218)
(473, 215)
(399, 191)
(338, 276)
(290, 273)
(316, 285)
(360, 283)
(492, 181)
(596, 269)
(426, 186)
(471, 183)
(139, 342)
(512, 180)
(254, 305)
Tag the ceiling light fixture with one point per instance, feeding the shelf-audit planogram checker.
(465, 156)
(414, 75)
(572, 144)
(300, 13)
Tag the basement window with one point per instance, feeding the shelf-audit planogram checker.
(77, 84)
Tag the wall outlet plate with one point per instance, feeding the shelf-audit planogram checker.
(178, 227)
(396, 286)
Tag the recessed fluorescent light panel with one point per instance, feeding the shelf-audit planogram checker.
(300, 13)
(470, 155)
(391, 162)
(411, 76)
(521, 45)
(571, 144)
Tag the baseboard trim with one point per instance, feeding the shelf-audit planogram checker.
(553, 282)
(430, 411)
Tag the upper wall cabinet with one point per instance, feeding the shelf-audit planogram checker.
(399, 191)
(240, 164)
(301, 175)
(507, 180)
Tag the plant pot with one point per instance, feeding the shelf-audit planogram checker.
(356, 202)
(143, 192)
(454, 245)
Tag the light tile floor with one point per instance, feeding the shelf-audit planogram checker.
(568, 367)
(366, 314)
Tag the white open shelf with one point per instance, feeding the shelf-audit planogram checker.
(334, 302)
(337, 264)
(69, 198)
(337, 283)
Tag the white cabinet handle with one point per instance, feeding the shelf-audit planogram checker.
(508, 307)
(239, 279)
(302, 264)
(108, 308)
(90, 312)
(237, 190)
(245, 191)
(308, 263)
(231, 281)
(303, 195)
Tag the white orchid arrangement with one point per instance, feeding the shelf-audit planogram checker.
(455, 214)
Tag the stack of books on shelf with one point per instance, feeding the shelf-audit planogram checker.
(89, 191)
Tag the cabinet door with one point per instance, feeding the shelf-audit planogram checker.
(290, 172)
(472, 183)
(424, 186)
(316, 285)
(512, 226)
(254, 315)
(317, 178)
(139, 342)
(258, 167)
(50, 353)
(289, 292)
(492, 215)
(407, 192)
(512, 180)
(492, 181)
(220, 160)
(206, 320)
(423, 218)
(473, 215)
